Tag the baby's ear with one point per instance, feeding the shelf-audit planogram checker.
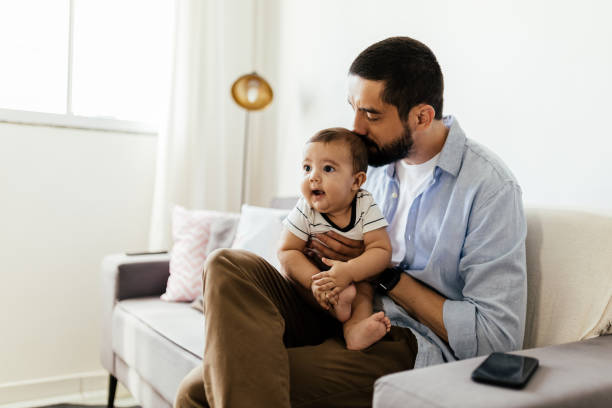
(358, 180)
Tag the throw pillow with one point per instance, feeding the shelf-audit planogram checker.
(259, 231)
(222, 234)
(194, 233)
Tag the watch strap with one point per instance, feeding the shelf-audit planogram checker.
(387, 280)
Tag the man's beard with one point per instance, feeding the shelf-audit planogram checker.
(396, 150)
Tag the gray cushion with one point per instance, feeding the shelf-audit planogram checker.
(143, 332)
(570, 375)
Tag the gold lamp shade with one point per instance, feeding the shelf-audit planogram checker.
(252, 92)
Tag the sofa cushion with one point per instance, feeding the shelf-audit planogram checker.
(259, 231)
(569, 271)
(570, 375)
(141, 390)
(162, 341)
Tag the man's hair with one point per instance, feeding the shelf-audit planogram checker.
(410, 72)
(358, 149)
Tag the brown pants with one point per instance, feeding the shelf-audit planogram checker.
(267, 347)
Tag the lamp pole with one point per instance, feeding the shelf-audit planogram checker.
(251, 92)
(245, 149)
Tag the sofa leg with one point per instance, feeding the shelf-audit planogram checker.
(112, 387)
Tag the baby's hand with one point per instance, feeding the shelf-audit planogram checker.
(335, 279)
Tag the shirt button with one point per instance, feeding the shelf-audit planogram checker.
(394, 195)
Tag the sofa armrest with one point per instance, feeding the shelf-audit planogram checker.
(570, 375)
(128, 276)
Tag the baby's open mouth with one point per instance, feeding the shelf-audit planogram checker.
(318, 192)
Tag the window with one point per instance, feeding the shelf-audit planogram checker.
(100, 64)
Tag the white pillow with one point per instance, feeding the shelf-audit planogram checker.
(259, 231)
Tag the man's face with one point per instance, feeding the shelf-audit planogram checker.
(388, 139)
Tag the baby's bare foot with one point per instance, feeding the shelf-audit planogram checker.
(342, 309)
(366, 332)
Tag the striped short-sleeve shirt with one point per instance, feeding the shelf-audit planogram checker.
(303, 221)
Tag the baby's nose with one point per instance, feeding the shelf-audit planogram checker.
(314, 176)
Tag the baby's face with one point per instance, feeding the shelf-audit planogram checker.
(329, 184)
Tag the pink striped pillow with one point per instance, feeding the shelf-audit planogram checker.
(190, 233)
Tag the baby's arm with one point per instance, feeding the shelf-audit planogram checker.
(294, 263)
(375, 258)
(298, 268)
(372, 261)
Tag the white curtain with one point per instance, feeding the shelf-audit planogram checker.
(200, 147)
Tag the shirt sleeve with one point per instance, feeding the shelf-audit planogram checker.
(491, 315)
(372, 218)
(297, 222)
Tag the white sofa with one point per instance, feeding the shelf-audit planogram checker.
(149, 345)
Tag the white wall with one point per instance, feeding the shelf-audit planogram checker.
(529, 79)
(67, 198)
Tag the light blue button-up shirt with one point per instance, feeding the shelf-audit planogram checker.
(465, 238)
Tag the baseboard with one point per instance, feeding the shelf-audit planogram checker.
(50, 387)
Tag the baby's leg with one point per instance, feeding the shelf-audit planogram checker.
(342, 309)
(364, 328)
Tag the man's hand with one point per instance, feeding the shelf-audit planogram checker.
(322, 296)
(337, 278)
(332, 245)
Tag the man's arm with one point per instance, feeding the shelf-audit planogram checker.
(489, 315)
(418, 300)
(421, 302)
(372, 261)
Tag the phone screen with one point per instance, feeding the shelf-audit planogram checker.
(507, 370)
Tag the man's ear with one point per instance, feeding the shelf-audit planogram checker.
(423, 115)
(358, 180)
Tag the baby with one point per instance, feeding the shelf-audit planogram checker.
(335, 164)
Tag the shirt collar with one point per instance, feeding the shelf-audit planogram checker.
(451, 155)
(452, 151)
(390, 170)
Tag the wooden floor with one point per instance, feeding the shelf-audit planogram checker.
(123, 399)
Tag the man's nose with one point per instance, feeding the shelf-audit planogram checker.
(359, 124)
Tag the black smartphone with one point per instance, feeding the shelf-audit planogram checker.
(507, 370)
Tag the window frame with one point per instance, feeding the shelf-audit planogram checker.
(68, 119)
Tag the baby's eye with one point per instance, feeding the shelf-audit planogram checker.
(306, 168)
(328, 169)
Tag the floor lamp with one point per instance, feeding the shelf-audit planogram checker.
(252, 93)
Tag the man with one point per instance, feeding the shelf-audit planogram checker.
(458, 235)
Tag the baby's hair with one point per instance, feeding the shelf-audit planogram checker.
(357, 146)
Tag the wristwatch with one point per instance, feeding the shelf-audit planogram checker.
(387, 280)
